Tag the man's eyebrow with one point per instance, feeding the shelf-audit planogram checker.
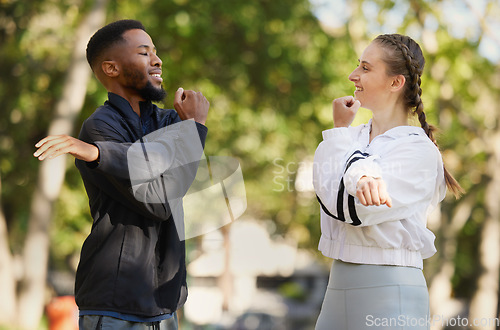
(146, 46)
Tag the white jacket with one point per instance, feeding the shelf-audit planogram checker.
(411, 166)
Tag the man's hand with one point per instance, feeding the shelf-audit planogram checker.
(344, 111)
(56, 145)
(191, 105)
(372, 191)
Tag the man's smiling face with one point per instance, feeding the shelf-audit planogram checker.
(141, 67)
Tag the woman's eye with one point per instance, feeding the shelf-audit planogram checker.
(145, 54)
(365, 68)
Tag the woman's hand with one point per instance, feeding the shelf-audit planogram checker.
(344, 111)
(372, 191)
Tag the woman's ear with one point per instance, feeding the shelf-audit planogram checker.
(398, 83)
(110, 68)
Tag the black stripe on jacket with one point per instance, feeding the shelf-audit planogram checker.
(356, 155)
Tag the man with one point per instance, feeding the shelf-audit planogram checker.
(132, 272)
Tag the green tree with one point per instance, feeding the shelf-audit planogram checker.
(270, 71)
(25, 296)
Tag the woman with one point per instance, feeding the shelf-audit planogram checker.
(376, 184)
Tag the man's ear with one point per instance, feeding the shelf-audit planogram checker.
(398, 83)
(110, 68)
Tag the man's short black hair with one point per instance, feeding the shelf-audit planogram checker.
(108, 36)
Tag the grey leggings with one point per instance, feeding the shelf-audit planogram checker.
(374, 297)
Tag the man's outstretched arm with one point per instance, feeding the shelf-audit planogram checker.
(57, 145)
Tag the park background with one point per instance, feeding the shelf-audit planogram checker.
(270, 69)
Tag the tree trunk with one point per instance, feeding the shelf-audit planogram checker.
(485, 300)
(356, 27)
(51, 177)
(7, 278)
(226, 279)
(483, 307)
(441, 287)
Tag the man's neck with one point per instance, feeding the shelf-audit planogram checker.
(133, 99)
(134, 103)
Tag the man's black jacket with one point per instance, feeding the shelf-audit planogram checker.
(133, 261)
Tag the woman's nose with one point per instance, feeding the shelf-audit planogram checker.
(353, 76)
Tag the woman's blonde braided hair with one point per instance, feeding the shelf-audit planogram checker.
(404, 57)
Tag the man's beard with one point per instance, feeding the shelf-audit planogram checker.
(151, 93)
(148, 92)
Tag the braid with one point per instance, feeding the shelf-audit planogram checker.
(412, 70)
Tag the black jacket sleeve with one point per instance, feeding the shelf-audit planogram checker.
(146, 174)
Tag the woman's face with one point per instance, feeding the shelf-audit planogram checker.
(370, 78)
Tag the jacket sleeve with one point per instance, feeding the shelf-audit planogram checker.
(413, 172)
(146, 174)
(163, 164)
(329, 162)
(411, 168)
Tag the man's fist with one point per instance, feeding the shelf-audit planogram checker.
(191, 105)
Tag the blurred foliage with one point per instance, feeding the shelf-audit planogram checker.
(293, 290)
(262, 67)
(270, 72)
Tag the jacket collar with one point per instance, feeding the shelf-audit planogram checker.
(398, 131)
(125, 108)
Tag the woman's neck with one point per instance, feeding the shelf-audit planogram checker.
(386, 119)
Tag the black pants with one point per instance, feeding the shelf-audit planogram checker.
(98, 322)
